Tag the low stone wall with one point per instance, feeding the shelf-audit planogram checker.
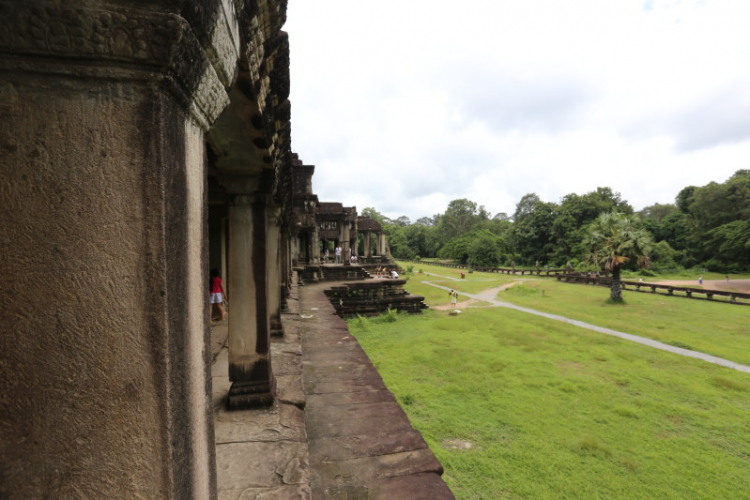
(371, 298)
(332, 272)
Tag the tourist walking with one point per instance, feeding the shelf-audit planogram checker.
(217, 296)
(454, 297)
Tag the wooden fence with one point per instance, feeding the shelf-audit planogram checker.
(725, 296)
(502, 270)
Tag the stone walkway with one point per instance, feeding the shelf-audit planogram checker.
(263, 454)
(340, 435)
(627, 336)
(362, 445)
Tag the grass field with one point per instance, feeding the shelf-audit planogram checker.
(517, 406)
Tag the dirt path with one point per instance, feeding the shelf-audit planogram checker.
(485, 297)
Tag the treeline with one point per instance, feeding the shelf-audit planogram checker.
(707, 226)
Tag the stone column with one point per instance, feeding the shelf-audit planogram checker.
(315, 247)
(273, 250)
(250, 372)
(224, 273)
(383, 245)
(106, 386)
(368, 243)
(345, 244)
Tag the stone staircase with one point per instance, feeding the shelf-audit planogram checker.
(370, 298)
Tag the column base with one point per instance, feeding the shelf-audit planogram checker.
(277, 329)
(249, 395)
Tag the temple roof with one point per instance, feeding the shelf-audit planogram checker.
(368, 224)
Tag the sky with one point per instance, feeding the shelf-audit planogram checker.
(405, 105)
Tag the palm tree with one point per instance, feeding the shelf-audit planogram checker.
(613, 240)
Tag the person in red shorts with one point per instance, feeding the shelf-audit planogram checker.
(217, 295)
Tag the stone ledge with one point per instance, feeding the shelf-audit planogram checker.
(361, 443)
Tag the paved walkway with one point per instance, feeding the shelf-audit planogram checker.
(341, 435)
(485, 297)
(263, 454)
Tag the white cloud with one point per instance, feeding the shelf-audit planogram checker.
(405, 105)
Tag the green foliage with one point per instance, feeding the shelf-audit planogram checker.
(532, 236)
(614, 240)
(707, 225)
(457, 248)
(730, 243)
(663, 255)
(657, 211)
(486, 250)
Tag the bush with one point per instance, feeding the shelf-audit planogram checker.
(390, 316)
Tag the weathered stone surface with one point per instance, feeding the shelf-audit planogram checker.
(412, 487)
(333, 399)
(261, 464)
(360, 440)
(366, 471)
(289, 390)
(297, 492)
(280, 422)
(354, 419)
(375, 442)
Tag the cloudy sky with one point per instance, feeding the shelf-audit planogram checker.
(405, 105)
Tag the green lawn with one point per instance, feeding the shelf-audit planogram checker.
(718, 329)
(555, 411)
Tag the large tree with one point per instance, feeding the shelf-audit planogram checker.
(613, 240)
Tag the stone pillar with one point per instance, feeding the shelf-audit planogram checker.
(224, 233)
(383, 245)
(273, 251)
(345, 244)
(103, 356)
(368, 243)
(250, 372)
(286, 268)
(315, 246)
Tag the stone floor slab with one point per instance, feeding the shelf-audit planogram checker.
(240, 466)
(333, 399)
(281, 422)
(367, 471)
(299, 492)
(349, 447)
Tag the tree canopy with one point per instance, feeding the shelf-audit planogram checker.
(707, 226)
